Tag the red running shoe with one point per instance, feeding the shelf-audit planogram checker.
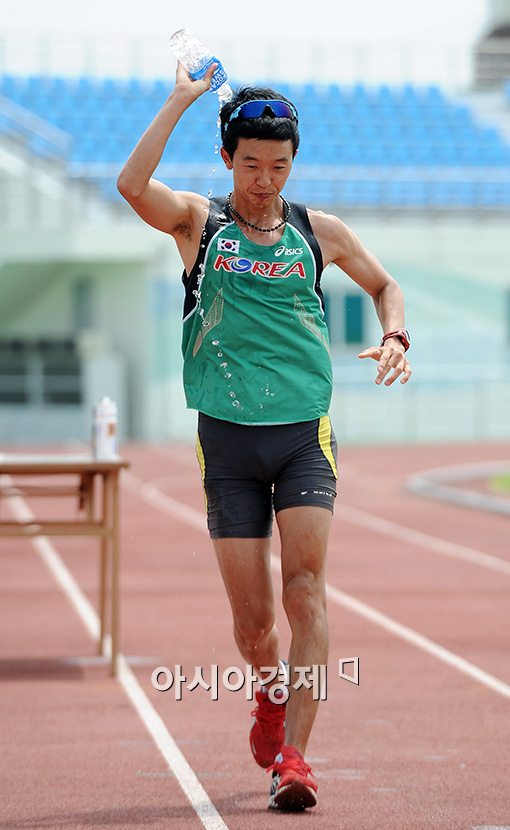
(267, 734)
(292, 789)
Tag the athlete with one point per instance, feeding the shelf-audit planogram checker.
(257, 368)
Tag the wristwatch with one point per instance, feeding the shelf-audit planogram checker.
(403, 336)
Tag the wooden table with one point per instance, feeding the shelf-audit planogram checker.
(98, 507)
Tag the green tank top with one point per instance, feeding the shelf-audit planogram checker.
(255, 343)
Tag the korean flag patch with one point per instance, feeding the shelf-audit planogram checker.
(230, 245)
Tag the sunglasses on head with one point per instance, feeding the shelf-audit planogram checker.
(254, 109)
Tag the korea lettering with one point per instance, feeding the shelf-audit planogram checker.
(243, 265)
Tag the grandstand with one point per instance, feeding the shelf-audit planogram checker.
(361, 146)
(91, 297)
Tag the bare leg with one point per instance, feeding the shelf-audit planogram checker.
(304, 535)
(246, 571)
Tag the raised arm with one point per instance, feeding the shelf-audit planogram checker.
(340, 245)
(158, 205)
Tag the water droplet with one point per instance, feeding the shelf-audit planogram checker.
(236, 403)
(232, 394)
(228, 375)
(209, 192)
(216, 342)
(223, 365)
(272, 394)
(220, 354)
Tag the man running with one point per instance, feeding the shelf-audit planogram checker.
(257, 368)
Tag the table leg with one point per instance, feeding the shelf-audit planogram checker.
(91, 497)
(103, 565)
(114, 478)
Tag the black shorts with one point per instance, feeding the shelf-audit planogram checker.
(248, 470)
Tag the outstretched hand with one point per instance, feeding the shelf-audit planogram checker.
(391, 358)
(185, 83)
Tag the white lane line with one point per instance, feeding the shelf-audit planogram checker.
(188, 781)
(437, 484)
(423, 540)
(466, 471)
(416, 639)
(182, 512)
(55, 565)
(191, 786)
(389, 528)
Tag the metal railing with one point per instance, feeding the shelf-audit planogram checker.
(41, 137)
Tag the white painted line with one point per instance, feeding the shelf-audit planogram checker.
(385, 526)
(463, 472)
(182, 453)
(182, 512)
(424, 540)
(191, 786)
(104, 660)
(437, 484)
(462, 498)
(54, 563)
(414, 638)
(168, 505)
(188, 781)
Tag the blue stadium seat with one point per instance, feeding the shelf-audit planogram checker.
(353, 126)
(490, 194)
(9, 86)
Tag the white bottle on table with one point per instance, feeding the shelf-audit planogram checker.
(104, 431)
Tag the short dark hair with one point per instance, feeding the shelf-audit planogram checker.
(267, 126)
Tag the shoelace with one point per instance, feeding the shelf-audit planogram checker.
(268, 715)
(293, 765)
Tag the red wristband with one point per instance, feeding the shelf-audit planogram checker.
(403, 336)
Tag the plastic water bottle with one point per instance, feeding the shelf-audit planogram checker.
(104, 431)
(196, 59)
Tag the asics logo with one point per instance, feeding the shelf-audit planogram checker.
(288, 251)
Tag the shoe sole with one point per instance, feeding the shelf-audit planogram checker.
(293, 797)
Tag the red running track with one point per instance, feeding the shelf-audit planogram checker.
(419, 744)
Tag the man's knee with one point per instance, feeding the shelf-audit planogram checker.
(304, 597)
(250, 631)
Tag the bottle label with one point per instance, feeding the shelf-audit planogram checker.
(104, 439)
(219, 77)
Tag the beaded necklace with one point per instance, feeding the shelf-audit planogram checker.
(286, 215)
